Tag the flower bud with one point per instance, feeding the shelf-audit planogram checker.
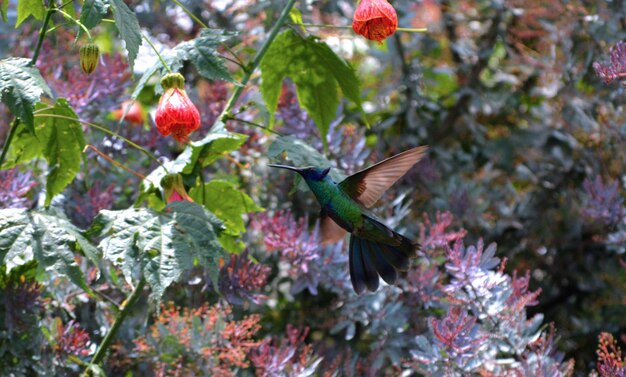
(89, 55)
(174, 189)
(176, 114)
(375, 19)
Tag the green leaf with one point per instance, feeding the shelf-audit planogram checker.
(92, 13)
(201, 52)
(27, 7)
(315, 70)
(21, 86)
(4, 6)
(59, 138)
(161, 246)
(47, 237)
(212, 147)
(228, 203)
(63, 146)
(128, 26)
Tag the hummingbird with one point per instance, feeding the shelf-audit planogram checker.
(374, 249)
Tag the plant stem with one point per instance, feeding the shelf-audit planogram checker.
(121, 316)
(230, 117)
(118, 164)
(257, 60)
(107, 131)
(42, 34)
(157, 52)
(7, 143)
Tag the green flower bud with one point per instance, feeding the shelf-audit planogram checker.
(89, 55)
(173, 80)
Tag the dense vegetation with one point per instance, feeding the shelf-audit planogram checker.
(140, 237)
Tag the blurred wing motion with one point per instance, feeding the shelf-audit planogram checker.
(368, 185)
(329, 230)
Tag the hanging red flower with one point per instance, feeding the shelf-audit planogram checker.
(134, 114)
(375, 19)
(176, 114)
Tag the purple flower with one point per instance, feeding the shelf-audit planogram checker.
(616, 69)
(603, 202)
(240, 276)
(14, 186)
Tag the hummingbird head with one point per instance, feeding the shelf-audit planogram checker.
(310, 173)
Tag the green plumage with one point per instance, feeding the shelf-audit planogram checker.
(375, 249)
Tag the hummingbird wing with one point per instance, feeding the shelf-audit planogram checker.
(368, 185)
(330, 231)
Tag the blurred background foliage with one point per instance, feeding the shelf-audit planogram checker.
(526, 151)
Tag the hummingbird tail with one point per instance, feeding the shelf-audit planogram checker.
(369, 259)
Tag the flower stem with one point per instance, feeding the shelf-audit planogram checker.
(157, 52)
(107, 131)
(121, 316)
(71, 19)
(257, 60)
(405, 29)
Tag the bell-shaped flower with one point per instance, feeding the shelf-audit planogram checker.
(375, 19)
(176, 114)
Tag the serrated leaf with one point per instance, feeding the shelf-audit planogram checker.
(47, 237)
(92, 13)
(316, 71)
(213, 146)
(162, 246)
(26, 8)
(128, 26)
(201, 52)
(63, 142)
(228, 203)
(21, 86)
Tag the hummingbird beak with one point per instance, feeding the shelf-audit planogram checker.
(292, 168)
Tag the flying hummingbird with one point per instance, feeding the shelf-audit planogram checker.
(375, 249)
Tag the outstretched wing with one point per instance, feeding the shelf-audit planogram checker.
(368, 185)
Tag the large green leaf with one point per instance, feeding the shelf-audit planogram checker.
(21, 86)
(200, 51)
(47, 237)
(229, 204)
(315, 70)
(198, 154)
(27, 7)
(301, 154)
(128, 26)
(59, 138)
(161, 246)
(92, 13)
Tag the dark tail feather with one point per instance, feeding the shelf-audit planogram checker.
(384, 268)
(357, 271)
(368, 259)
(371, 277)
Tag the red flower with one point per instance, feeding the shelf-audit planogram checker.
(174, 189)
(176, 114)
(375, 19)
(134, 115)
